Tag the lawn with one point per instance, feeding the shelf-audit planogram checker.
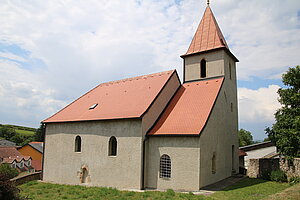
(245, 189)
(24, 132)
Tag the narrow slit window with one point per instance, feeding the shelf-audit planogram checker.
(112, 146)
(203, 68)
(213, 164)
(165, 166)
(231, 107)
(230, 71)
(78, 144)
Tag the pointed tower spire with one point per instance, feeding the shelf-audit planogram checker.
(208, 35)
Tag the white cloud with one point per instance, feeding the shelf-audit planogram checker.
(11, 56)
(83, 43)
(258, 105)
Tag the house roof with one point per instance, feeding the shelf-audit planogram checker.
(188, 111)
(6, 152)
(242, 153)
(6, 143)
(127, 98)
(257, 146)
(16, 158)
(37, 145)
(208, 35)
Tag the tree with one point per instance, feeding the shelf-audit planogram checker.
(7, 133)
(285, 133)
(39, 133)
(245, 137)
(8, 190)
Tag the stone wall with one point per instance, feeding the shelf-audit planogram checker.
(257, 167)
(26, 178)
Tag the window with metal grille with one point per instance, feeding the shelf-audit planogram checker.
(165, 167)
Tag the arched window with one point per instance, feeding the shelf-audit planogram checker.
(165, 167)
(213, 163)
(203, 68)
(78, 144)
(112, 147)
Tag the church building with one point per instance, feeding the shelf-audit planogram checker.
(152, 131)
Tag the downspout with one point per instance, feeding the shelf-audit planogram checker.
(44, 144)
(143, 163)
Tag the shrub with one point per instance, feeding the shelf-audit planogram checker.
(8, 171)
(278, 176)
(266, 175)
(8, 191)
(294, 180)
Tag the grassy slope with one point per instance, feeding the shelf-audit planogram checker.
(24, 132)
(291, 193)
(244, 190)
(250, 189)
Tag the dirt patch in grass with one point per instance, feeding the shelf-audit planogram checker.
(291, 193)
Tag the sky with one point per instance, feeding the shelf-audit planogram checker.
(52, 52)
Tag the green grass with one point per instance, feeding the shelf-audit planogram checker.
(244, 190)
(24, 132)
(250, 188)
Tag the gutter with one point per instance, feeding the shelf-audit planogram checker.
(143, 163)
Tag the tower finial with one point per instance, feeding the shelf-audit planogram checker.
(207, 2)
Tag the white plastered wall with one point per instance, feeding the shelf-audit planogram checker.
(63, 165)
(184, 154)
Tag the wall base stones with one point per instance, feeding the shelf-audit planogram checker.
(257, 167)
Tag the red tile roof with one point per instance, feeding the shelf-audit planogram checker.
(6, 152)
(208, 35)
(189, 110)
(127, 98)
(16, 158)
(242, 153)
(37, 165)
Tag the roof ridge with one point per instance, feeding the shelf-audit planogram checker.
(100, 85)
(137, 77)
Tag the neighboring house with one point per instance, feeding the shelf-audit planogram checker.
(153, 131)
(12, 156)
(259, 150)
(6, 143)
(21, 163)
(35, 151)
(6, 152)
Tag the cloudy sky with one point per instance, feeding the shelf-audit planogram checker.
(51, 52)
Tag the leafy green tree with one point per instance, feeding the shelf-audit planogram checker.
(7, 133)
(39, 133)
(245, 137)
(285, 133)
(8, 171)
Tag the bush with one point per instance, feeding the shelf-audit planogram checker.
(278, 176)
(266, 175)
(8, 171)
(294, 180)
(8, 191)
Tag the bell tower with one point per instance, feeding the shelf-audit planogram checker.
(208, 55)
